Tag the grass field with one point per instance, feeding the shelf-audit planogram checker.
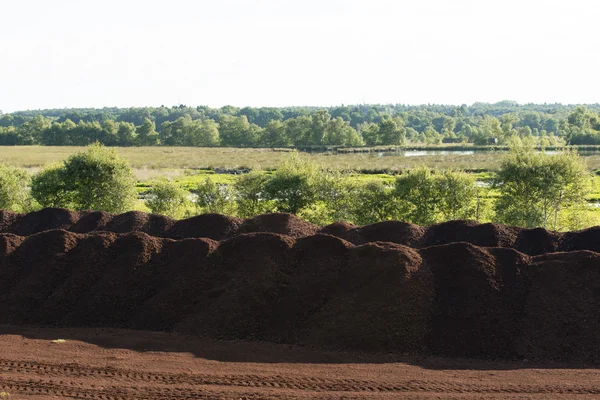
(146, 159)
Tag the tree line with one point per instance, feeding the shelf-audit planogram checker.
(358, 125)
(531, 189)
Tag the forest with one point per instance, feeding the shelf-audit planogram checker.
(299, 127)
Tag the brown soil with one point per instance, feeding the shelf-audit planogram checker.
(274, 282)
(455, 299)
(219, 227)
(125, 365)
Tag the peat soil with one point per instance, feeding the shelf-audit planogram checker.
(476, 297)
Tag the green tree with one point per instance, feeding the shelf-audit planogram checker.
(275, 135)
(213, 198)
(339, 132)
(237, 131)
(392, 131)
(419, 192)
(293, 185)
(458, 195)
(126, 133)
(147, 135)
(535, 187)
(201, 133)
(96, 179)
(249, 190)
(168, 198)
(370, 133)
(15, 192)
(374, 202)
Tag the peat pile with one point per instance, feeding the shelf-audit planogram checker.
(220, 227)
(451, 299)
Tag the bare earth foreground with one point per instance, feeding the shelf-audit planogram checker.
(118, 364)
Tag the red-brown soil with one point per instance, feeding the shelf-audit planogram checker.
(219, 227)
(458, 289)
(130, 365)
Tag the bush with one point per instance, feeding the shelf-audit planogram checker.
(293, 185)
(49, 188)
(535, 187)
(213, 198)
(168, 198)
(249, 192)
(96, 179)
(428, 197)
(15, 193)
(374, 202)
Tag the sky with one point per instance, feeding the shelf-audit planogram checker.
(68, 53)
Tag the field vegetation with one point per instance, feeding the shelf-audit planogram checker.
(529, 189)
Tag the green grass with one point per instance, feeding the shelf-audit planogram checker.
(175, 159)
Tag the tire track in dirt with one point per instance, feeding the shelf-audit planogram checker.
(310, 384)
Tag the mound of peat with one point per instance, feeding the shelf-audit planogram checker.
(220, 227)
(456, 299)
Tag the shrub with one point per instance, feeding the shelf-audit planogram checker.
(15, 193)
(213, 198)
(96, 179)
(168, 198)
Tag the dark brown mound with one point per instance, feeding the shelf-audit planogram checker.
(90, 260)
(130, 279)
(284, 224)
(184, 290)
(43, 220)
(212, 226)
(382, 300)
(391, 231)
(317, 269)
(479, 295)
(561, 318)
(248, 274)
(537, 241)
(458, 299)
(220, 227)
(587, 239)
(7, 220)
(30, 270)
(487, 235)
(343, 230)
(90, 221)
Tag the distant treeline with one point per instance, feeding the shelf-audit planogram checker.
(357, 125)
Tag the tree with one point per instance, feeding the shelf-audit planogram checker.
(213, 198)
(293, 184)
(126, 133)
(275, 135)
(147, 135)
(201, 134)
(535, 187)
(370, 133)
(339, 132)
(237, 131)
(49, 188)
(168, 198)
(15, 193)
(249, 192)
(375, 202)
(419, 193)
(96, 179)
(392, 131)
(319, 122)
(458, 195)
(298, 130)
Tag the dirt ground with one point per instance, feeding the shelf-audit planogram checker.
(116, 364)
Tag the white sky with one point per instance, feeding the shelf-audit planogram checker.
(68, 53)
